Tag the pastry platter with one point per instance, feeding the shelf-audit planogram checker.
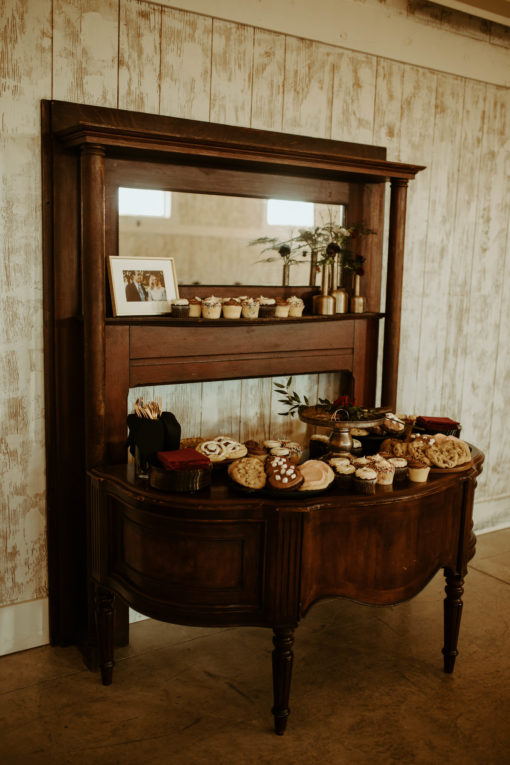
(340, 440)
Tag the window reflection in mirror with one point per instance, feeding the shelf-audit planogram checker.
(208, 235)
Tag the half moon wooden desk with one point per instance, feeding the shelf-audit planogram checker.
(219, 557)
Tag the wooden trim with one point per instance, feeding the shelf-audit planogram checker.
(93, 281)
(394, 292)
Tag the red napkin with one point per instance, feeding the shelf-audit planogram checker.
(438, 424)
(183, 459)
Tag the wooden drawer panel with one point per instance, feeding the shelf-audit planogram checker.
(180, 563)
(223, 340)
(184, 354)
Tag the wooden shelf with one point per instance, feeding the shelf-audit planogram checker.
(174, 322)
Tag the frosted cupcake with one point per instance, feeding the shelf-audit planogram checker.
(180, 308)
(250, 308)
(211, 307)
(401, 471)
(295, 451)
(385, 472)
(267, 307)
(231, 309)
(365, 480)
(360, 462)
(344, 474)
(418, 471)
(282, 308)
(319, 445)
(296, 306)
(195, 307)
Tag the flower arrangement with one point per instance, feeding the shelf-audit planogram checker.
(326, 242)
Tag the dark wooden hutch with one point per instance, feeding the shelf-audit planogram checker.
(92, 359)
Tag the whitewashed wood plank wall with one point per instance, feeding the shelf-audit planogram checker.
(455, 356)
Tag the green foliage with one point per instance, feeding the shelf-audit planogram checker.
(327, 241)
(291, 399)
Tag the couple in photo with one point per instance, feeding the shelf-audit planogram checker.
(136, 290)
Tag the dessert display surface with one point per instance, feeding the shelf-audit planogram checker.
(278, 467)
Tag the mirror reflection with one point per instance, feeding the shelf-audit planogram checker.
(209, 235)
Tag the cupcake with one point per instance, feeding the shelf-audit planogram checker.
(267, 307)
(401, 471)
(418, 471)
(250, 308)
(272, 443)
(296, 306)
(256, 449)
(344, 474)
(195, 307)
(211, 307)
(282, 308)
(295, 451)
(360, 462)
(280, 451)
(319, 445)
(231, 309)
(365, 480)
(180, 308)
(356, 448)
(336, 461)
(385, 472)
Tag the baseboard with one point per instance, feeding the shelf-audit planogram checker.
(24, 625)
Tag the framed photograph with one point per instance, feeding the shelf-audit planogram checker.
(142, 286)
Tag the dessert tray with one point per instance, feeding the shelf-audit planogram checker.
(340, 439)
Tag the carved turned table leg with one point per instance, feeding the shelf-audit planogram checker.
(452, 614)
(283, 640)
(104, 623)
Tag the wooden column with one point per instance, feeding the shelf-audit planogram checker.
(396, 238)
(93, 298)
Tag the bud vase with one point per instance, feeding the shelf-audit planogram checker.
(358, 303)
(338, 292)
(286, 275)
(325, 303)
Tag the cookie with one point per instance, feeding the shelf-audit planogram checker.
(233, 448)
(212, 449)
(447, 453)
(317, 474)
(248, 472)
(417, 450)
(274, 463)
(396, 446)
(285, 478)
(465, 451)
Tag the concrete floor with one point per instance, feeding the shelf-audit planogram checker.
(367, 687)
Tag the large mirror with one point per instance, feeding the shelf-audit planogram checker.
(209, 235)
